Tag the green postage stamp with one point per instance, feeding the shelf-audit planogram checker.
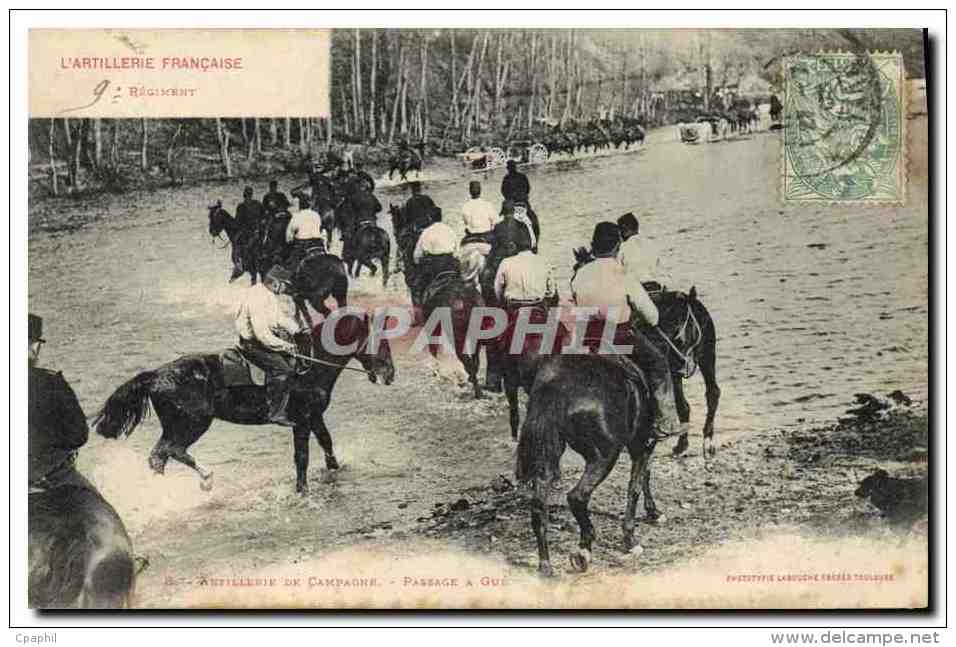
(844, 139)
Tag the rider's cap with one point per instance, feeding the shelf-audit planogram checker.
(628, 221)
(414, 186)
(35, 328)
(507, 207)
(607, 236)
(474, 186)
(511, 165)
(247, 192)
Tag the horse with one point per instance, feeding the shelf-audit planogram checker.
(246, 247)
(692, 343)
(403, 162)
(367, 243)
(80, 555)
(590, 403)
(776, 109)
(449, 291)
(188, 393)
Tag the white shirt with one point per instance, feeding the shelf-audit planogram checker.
(305, 225)
(479, 216)
(524, 277)
(604, 283)
(263, 314)
(438, 238)
(639, 257)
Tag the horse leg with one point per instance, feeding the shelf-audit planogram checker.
(386, 260)
(651, 513)
(683, 414)
(596, 470)
(300, 442)
(640, 480)
(511, 392)
(180, 454)
(325, 442)
(540, 519)
(708, 369)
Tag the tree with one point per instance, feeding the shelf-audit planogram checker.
(222, 134)
(144, 143)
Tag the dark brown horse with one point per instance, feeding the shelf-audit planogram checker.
(188, 394)
(80, 555)
(586, 402)
(246, 246)
(367, 244)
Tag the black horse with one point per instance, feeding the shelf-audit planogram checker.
(80, 555)
(692, 344)
(368, 243)
(403, 161)
(589, 403)
(457, 299)
(246, 246)
(188, 394)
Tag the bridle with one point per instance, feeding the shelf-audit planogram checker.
(358, 351)
(689, 365)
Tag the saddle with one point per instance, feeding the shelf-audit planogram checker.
(315, 249)
(439, 282)
(239, 371)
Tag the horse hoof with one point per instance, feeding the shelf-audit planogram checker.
(331, 463)
(302, 490)
(580, 560)
(206, 483)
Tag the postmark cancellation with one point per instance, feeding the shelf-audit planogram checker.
(844, 139)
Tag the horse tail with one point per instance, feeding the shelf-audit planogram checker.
(126, 408)
(540, 446)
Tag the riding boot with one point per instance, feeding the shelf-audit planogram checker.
(493, 371)
(657, 371)
(277, 391)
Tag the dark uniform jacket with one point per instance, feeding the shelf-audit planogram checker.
(365, 206)
(418, 212)
(275, 201)
(57, 425)
(249, 215)
(515, 186)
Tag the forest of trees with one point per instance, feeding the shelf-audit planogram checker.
(448, 87)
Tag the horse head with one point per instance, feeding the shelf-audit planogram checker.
(217, 219)
(374, 353)
(681, 326)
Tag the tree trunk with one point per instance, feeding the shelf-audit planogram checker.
(97, 142)
(398, 89)
(569, 79)
(222, 133)
(533, 78)
(54, 180)
(72, 172)
(345, 112)
(251, 139)
(287, 132)
(273, 132)
(144, 146)
(371, 85)
(423, 92)
(357, 84)
(404, 130)
(552, 75)
(170, 154)
(115, 145)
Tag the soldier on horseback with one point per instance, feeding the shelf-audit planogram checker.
(479, 217)
(364, 207)
(434, 254)
(275, 200)
(267, 323)
(416, 217)
(304, 234)
(56, 424)
(638, 255)
(508, 238)
(604, 283)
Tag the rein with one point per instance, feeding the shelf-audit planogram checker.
(690, 367)
(322, 362)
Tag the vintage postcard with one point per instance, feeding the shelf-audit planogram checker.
(465, 318)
